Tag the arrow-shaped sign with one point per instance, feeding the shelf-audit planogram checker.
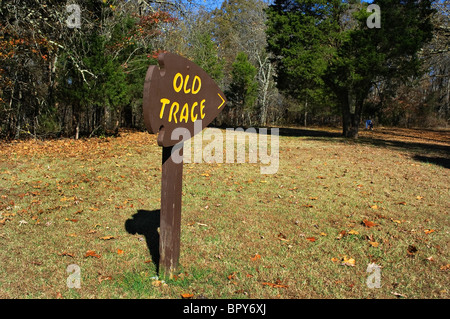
(176, 95)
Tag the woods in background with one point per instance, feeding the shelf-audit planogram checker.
(279, 62)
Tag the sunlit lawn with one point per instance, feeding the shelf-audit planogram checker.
(310, 231)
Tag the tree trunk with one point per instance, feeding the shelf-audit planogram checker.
(306, 109)
(346, 120)
(351, 115)
(76, 120)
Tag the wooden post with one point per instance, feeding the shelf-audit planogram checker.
(170, 218)
(177, 95)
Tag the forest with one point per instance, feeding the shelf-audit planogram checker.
(77, 68)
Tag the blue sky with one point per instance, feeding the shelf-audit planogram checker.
(213, 4)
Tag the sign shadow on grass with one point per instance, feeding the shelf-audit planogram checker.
(147, 223)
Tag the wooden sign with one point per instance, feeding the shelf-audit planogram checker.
(177, 94)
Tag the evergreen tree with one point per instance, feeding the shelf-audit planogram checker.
(205, 55)
(320, 44)
(243, 90)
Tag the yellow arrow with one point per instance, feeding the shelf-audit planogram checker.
(223, 101)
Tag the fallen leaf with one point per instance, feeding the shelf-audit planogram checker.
(311, 239)
(398, 295)
(66, 254)
(187, 296)
(120, 251)
(256, 257)
(107, 237)
(307, 205)
(445, 267)
(368, 223)
(103, 278)
(3, 221)
(323, 234)
(374, 206)
(341, 234)
(429, 231)
(200, 224)
(157, 283)
(334, 259)
(374, 244)
(91, 253)
(353, 232)
(282, 237)
(401, 203)
(430, 258)
(232, 276)
(348, 262)
(419, 197)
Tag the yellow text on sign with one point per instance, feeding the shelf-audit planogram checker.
(185, 113)
(180, 82)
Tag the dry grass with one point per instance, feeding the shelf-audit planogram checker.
(244, 235)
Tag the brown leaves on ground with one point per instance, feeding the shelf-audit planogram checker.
(368, 223)
(84, 148)
(91, 253)
(107, 237)
(348, 261)
(256, 257)
(277, 284)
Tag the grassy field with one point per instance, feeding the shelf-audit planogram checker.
(310, 231)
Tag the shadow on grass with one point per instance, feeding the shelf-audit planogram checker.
(307, 132)
(146, 223)
(441, 161)
(438, 154)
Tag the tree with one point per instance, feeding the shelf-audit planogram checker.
(63, 79)
(243, 90)
(329, 45)
(205, 54)
(240, 27)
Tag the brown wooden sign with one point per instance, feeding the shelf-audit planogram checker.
(176, 94)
